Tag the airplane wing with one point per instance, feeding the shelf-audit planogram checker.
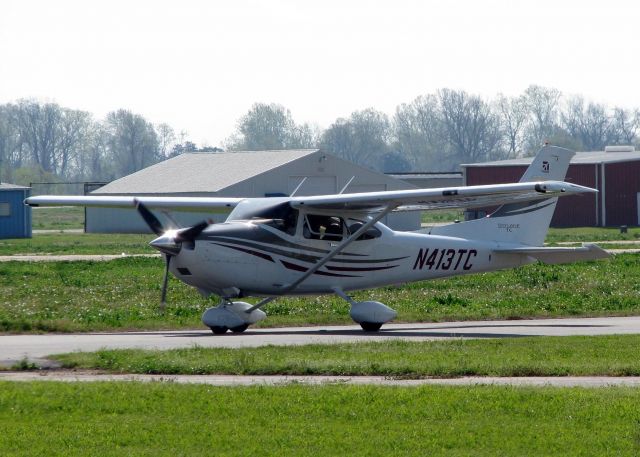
(442, 198)
(176, 203)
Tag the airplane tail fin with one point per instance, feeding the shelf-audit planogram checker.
(519, 223)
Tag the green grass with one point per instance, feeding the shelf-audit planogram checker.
(78, 243)
(611, 355)
(124, 294)
(109, 419)
(441, 216)
(57, 218)
(590, 234)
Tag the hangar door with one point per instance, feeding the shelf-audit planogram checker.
(313, 185)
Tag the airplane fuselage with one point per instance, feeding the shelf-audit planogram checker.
(245, 258)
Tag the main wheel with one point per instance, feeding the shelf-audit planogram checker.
(239, 328)
(370, 326)
(219, 330)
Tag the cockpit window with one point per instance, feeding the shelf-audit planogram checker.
(318, 227)
(287, 225)
(280, 215)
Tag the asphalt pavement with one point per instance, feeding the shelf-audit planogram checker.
(14, 348)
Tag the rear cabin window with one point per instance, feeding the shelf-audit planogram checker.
(318, 227)
(369, 234)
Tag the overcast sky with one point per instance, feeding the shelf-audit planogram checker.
(199, 65)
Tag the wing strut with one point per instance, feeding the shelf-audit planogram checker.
(346, 242)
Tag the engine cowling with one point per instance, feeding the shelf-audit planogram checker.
(371, 312)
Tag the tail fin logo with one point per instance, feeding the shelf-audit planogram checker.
(545, 167)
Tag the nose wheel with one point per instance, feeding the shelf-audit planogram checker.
(221, 330)
(370, 326)
(234, 316)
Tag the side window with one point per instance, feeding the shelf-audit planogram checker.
(5, 209)
(369, 234)
(317, 227)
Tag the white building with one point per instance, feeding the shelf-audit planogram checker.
(241, 174)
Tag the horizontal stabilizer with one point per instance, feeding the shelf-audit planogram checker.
(554, 255)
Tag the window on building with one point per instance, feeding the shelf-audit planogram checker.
(5, 209)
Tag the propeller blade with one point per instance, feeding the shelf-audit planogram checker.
(191, 233)
(165, 281)
(154, 224)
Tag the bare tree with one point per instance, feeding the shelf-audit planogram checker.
(38, 126)
(589, 124)
(472, 129)
(166, 139)
(625, 125)
(73, 131)
(543, 105)
(10, 144)
(514, 116)
(419, 133)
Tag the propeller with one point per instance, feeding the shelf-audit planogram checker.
(169, 242)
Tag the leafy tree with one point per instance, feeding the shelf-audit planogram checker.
(270, 127)
(132, 142)
(362, 139)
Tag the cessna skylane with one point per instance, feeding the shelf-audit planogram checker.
(334, 244)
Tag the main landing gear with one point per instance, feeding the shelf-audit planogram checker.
(369, 314)
(234, 316)
(237, 316)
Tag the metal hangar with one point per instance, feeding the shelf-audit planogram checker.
(241, 174)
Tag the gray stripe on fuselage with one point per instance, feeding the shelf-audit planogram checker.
(295, 255)
(263, 235)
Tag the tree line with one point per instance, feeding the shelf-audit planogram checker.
(435, 132)
(439, 131)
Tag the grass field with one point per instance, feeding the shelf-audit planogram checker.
(614, 355)
(78, 243)
(591, 234)
(124, 294)
(109, 419)
(57, 218)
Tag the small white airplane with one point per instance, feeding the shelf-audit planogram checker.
(333, 244)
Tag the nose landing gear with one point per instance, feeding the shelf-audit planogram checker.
(231, 316)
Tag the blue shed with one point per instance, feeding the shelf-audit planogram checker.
(15, 216)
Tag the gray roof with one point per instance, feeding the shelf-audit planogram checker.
(7, 186)
(201, 171)
(586, 158)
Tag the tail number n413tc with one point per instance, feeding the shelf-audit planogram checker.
(445, 259)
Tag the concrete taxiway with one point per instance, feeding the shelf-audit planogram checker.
(14, 348)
